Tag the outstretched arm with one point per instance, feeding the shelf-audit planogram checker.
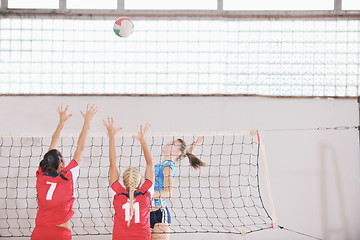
(168, 175)
(114, 173)
(63, 117)
(194, 145)
(149, 171)
(88, 115)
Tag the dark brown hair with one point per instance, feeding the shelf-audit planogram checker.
(194, 161)
(51, 162)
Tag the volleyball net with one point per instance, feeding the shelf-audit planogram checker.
(223, 197)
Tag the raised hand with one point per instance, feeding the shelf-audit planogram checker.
(90, 112)
(149, 171)
(88, 115)
(114, 172)
(141, 134)
(63, 118)
(109, 124)
(194, 145)
(62, 113)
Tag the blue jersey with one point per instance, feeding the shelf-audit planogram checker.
(159, 180)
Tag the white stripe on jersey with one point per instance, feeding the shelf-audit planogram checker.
(75, 174)
(112, 194)
(151, 191)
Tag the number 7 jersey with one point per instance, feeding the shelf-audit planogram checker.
(140, 223)
(56, 195)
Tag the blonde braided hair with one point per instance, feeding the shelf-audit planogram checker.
(131, 180)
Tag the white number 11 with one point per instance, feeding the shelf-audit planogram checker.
(126, 206)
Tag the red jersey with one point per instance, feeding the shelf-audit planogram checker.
(56, 196)
(140, 223)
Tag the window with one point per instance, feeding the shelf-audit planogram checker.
(86, 4)
(51, 4)
(350, 4)
(279, 5)
(170, 4)
(263, 57)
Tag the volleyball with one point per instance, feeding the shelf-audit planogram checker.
(123, 27)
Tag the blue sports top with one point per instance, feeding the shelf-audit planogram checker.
(159, 180)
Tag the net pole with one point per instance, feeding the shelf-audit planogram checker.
(267, 180)
(358, 100)
(243, 233)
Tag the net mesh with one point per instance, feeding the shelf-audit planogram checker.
(223, 197)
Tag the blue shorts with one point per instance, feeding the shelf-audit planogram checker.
(162, 215)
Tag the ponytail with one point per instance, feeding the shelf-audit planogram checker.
(51, 162)
(131, 179)
(48, 167)
(131, 198)
(194, 161)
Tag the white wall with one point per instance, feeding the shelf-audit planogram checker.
(314, 174)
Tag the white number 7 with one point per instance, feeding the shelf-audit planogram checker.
(51, 190)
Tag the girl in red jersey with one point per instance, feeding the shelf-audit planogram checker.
(132, 203)
(55, 183)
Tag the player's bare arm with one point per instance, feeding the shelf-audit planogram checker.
(149, 171)
(88, 116)
(64, 116)
(111, 130)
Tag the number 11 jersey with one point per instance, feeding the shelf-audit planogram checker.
(140, 222)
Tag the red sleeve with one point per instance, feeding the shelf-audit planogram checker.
(71, 165)
(116, 186)
(39, 171)
(146, 186)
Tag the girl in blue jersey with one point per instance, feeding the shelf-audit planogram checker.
(173, 152)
